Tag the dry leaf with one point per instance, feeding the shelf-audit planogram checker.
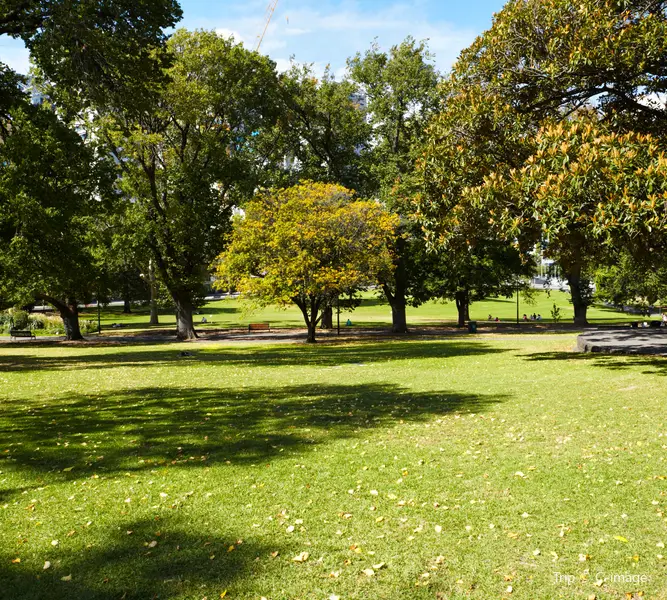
(66, 578)
(368, 572)
(303, 557)
(47, 565)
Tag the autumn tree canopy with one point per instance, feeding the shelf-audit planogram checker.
(305, 245)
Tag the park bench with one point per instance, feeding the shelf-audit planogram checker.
(18, 333)
(258, 327)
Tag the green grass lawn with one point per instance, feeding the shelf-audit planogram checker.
(373, 312)
(470, 467)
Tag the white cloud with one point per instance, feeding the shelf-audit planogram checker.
(229, 33)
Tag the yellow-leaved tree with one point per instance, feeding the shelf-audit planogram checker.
(305, 245)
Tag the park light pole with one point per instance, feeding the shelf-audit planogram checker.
(338, 313)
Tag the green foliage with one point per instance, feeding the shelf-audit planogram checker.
(555, 313)
(322, 133)
(98, 50)
(546, 58)
(401, 89)
(47, 324)
(52, 190)
(631, 281)
(306, 245)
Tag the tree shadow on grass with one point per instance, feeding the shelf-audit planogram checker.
(125, 566)
(651, 365)
(137, 429)
(323, 355)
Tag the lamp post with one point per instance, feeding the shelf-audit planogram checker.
(338, 312)
(99, 318)
(517, 302)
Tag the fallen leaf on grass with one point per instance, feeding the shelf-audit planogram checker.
(66, 578)
(16, 561)
(620, 538)
(47, 565)
(368, 572)
(303, 557)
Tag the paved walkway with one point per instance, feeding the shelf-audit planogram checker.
(624, 341)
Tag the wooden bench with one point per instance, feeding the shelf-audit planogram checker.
(259, 327)
(18, 333)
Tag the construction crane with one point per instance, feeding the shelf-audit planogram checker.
(268, 15)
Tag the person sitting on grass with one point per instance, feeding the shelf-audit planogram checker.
(539, 317)
(525, 317)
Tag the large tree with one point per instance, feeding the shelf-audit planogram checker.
(307, 245)
(401, 89)
(585, 191)
(186, 161)
(53, 189)
(539, 64)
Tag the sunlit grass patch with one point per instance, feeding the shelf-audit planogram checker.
(462, 467)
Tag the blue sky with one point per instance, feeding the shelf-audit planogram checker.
(328, 31)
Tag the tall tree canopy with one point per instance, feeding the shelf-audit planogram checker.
(188, 160)
(322, 134)
(401, 88)
(101, 48)
(52, 190)
(584, 190)
(306, 245)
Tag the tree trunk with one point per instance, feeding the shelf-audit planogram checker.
(309, 307)
(153, 285)
(69, 313)
(397, 297)
(462, 306)
(399, 322)
(575, 282)
(327, 318)
(185, 329)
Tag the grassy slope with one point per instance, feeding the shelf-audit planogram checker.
(529, 458)
(373, 312)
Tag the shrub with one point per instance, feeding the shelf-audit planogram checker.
(19, 318)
